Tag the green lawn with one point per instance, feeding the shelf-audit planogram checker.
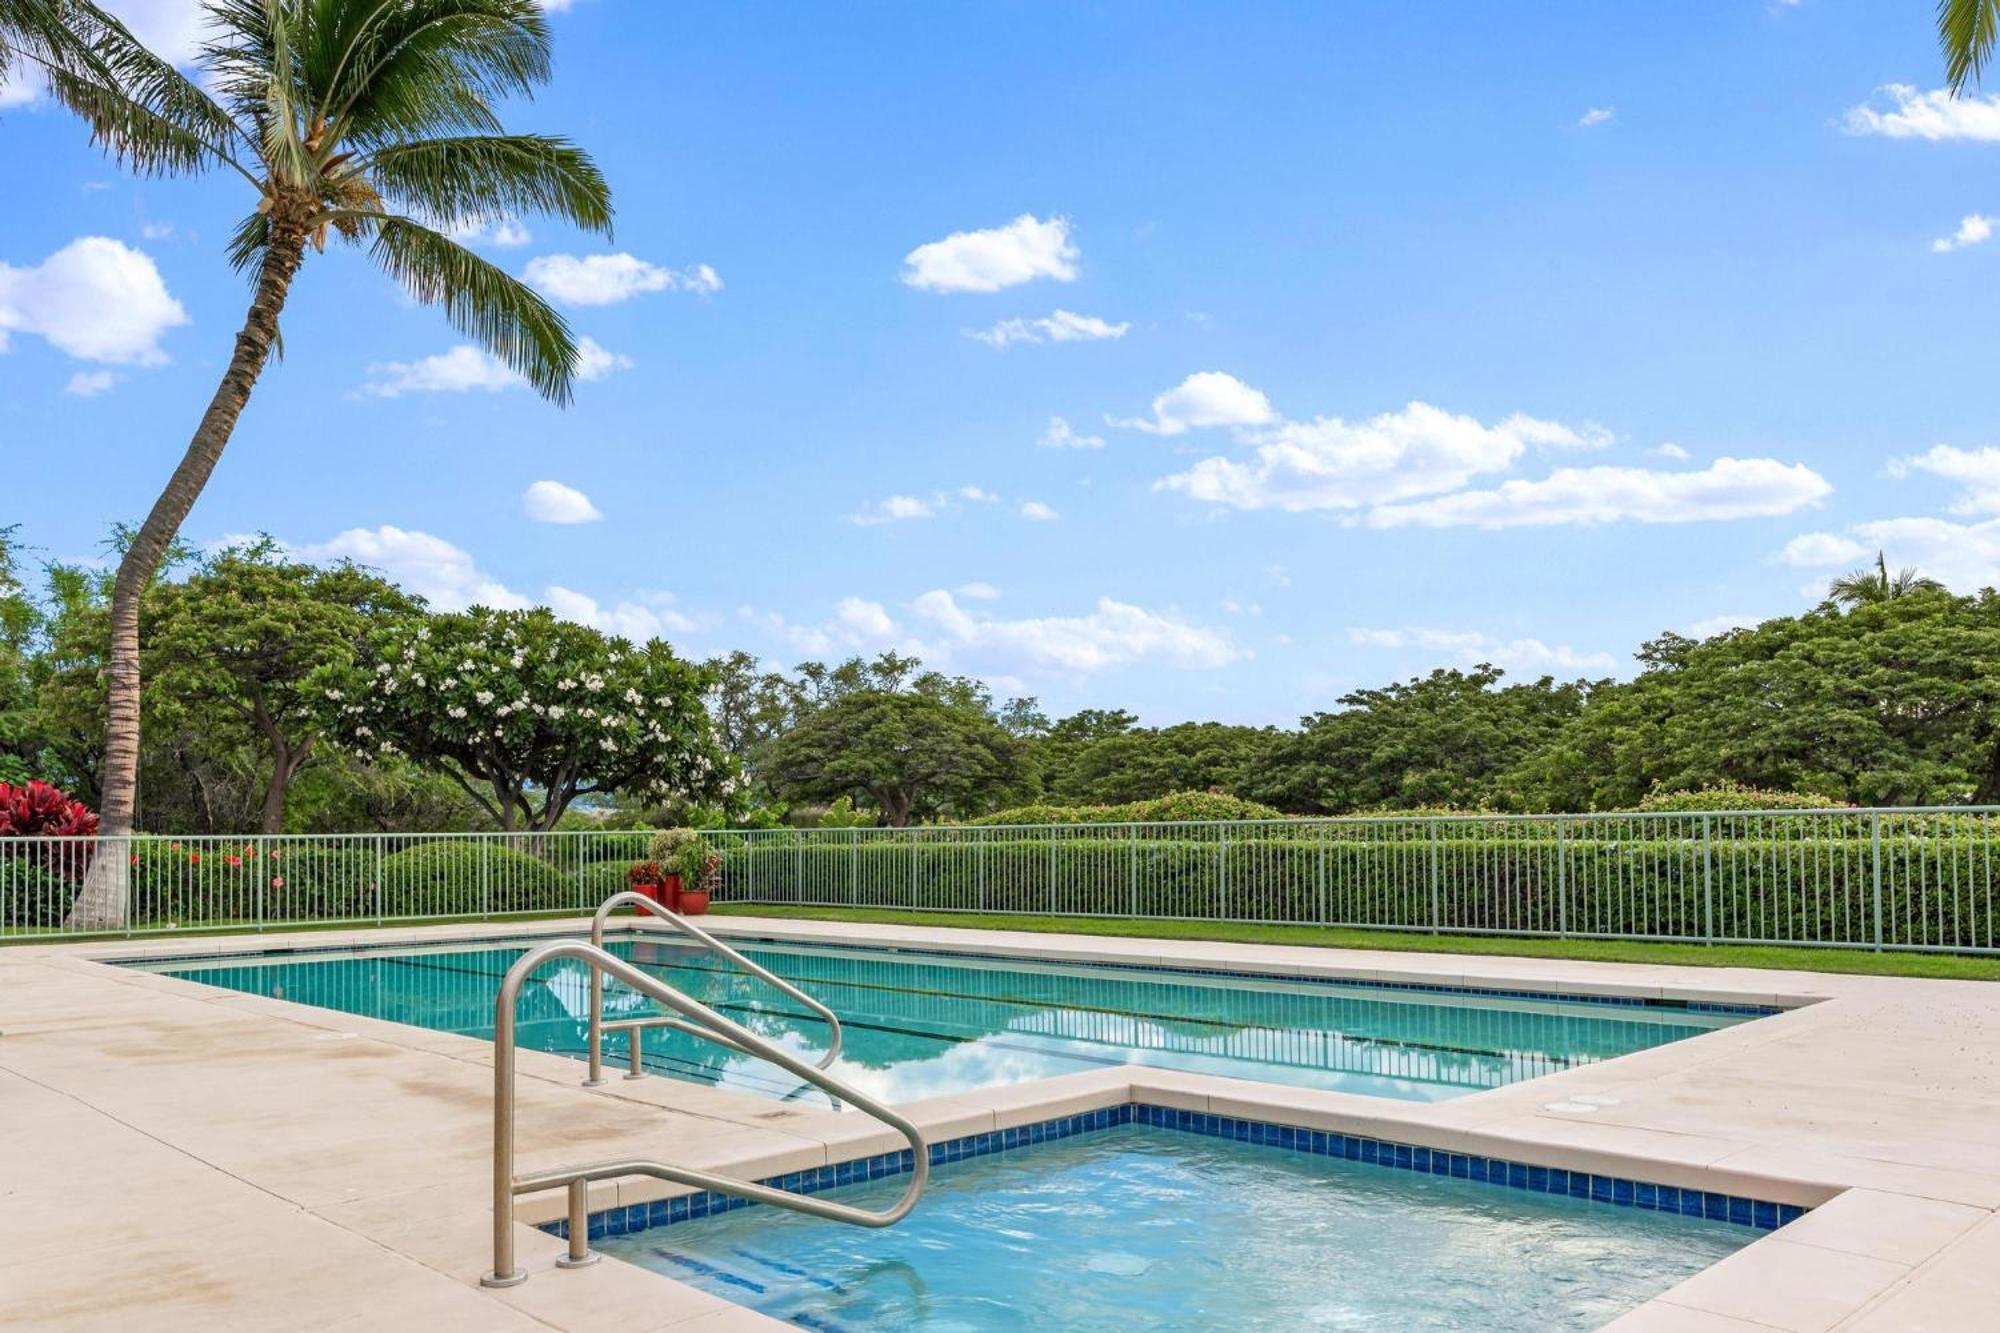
(1952, 966)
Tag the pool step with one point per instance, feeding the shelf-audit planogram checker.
(771, 1286)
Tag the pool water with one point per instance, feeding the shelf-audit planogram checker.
(1146, 1228)
(920, 1025)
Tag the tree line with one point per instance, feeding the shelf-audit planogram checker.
(287, 696)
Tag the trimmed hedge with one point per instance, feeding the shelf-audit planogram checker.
(1934, 890)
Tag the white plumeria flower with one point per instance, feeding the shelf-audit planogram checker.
(555, 712)
(423, 631)
(485, 697)
(449, 682)
(454, 711)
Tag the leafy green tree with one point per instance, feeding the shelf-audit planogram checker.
(1141, 763)
(1895, 701)
(526, 712)
(1446, 739)
(243, 635)
(910, 755)
(371, 122)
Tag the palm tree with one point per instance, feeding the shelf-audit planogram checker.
(1966, 30)
(1868, 587)
(370, 122)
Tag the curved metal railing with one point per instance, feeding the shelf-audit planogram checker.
(635, 1026)
(507, 1186)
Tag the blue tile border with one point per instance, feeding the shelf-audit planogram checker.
(1761, 1215)
(629, 935)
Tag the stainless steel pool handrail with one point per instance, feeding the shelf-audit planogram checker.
(636, 1025)
(507, 1185)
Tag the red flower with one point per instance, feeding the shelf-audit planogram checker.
(135, 858)
(233, 860)
(277, 881)
(194, 858)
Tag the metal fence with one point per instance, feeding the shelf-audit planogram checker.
(1874, 879)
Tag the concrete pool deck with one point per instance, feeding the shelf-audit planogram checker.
(177, 1156)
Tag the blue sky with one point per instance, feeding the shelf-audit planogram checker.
(1382, 339)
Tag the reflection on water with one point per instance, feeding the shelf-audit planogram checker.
(921, 1026)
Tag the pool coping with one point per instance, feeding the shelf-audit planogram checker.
(1781, 1280)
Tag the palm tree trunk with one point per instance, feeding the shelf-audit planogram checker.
(102, 903)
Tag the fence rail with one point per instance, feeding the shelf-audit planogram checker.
(1920, 879)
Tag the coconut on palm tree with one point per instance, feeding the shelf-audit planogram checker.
(362, 122)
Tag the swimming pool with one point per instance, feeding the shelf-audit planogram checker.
(920, 1025)
(1142, 1227)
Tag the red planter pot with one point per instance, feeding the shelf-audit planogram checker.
(693, 902)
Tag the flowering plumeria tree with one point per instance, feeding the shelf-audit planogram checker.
(527, 712)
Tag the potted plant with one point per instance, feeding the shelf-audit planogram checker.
(647, 878)
(690, 866)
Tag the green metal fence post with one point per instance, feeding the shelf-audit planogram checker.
(378, 879)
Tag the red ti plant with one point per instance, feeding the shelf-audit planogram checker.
(37, 810)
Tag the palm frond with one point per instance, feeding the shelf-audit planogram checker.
(139, 137)
(478, 176)
(482, 301)
(1967, 30)
(423, 68)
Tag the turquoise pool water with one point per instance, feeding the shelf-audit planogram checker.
(1145, 1228)
(921, 1025)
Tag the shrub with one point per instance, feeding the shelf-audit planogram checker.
(1734, 797)
(1180, 807)
(449, 878)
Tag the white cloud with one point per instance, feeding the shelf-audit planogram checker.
(450, 579)
(950, 635)
(591, 280)
(1932, 115)
(1205, 398)
(987, 261)
(654, 617)
(431, 567)
(1063, 326)
(553, 502)
(981, 592)
(1596, 116)
(893, 510)
(466, 368)
(1039, 512)
(1728, 488)
(1114, 634)
(506, 233)
(156, 231)
(1817, 550)
(1722, 624)
(1963, 556)
(1061, 435)
(1330, 463)
(90, 383)
(1973, 228)
(463, 369)
(1977, 469)
(898, 508)
(1669, 450)
(1521, 656)
(95, 299)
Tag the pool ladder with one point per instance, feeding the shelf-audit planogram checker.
(636, 1026)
